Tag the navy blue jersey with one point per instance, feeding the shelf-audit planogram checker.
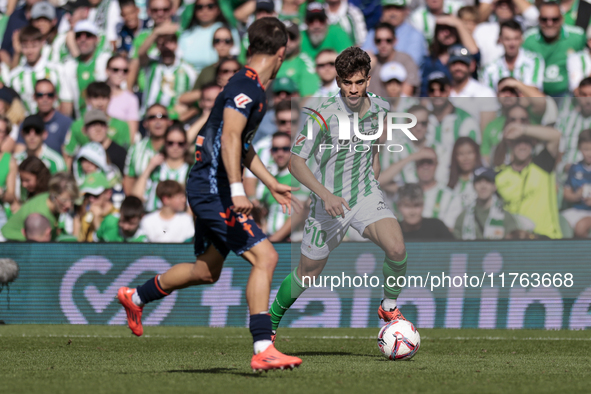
(244, 93)
(579, 175)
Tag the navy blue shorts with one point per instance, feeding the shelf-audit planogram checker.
(217, 224)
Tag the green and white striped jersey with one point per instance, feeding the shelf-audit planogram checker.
(23, 79)
(570, 123)
(529, 69)
(81, 74)
(164, 84)
(424, 21)
(344, 172)
(138, 157)
(276, 218)
(578, 66)
(163, 173)
(52, 160)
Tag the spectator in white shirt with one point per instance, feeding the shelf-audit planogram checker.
(171, 223)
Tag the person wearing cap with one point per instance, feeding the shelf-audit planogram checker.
(320, 35)
(44, 18)
(327, 72)
(59, 199)
(464, 87)
(395, 12)
(20, 18)
(22, 78)
(298, 65)
(385, 38)
(34, 134)
(349, 17)
(392, 80)
(167, 77)
(528, 184)
(424, 18)
(89, 66)
(578, 64)
(485, 218)
(516, 62)
(98, 95)
(96, 205)
(554, 41)
(56, 123)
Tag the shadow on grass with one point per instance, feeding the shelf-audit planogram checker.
(228, 371)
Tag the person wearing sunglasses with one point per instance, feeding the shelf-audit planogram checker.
(320, 35)
(123, 104)
(385, 40)
(35, 67)
(89, 66)
(172, 163)
(395, 12)
(156, 121)
(167, 78)
(56, 123)
(553, 42)
(279, 224)
(98, 96)
(298, 65)
(196, 41)
(327, 72)
(34, 134)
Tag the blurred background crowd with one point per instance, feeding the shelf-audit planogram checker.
(101, 102)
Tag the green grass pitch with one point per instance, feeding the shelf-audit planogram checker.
(101, 359)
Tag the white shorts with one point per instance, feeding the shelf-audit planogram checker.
(323, 233)
(573, 215)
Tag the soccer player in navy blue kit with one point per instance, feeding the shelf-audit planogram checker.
(216, 196)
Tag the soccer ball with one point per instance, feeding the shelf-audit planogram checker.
(399, 340)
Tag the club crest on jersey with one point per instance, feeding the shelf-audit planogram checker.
(241, 100)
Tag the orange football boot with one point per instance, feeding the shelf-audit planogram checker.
(389, 315)
(271, 358)
(134, 312)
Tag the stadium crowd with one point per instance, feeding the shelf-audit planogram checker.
(101, 103)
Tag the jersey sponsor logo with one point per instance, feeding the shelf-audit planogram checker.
(382, 205)
(241, 100)
(300, 140)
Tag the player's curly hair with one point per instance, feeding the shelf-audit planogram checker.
(351, 61)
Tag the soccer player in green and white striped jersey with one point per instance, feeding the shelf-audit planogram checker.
(89, 67)
(168, 77)
(23, 77)
(172, 164)
(139, 155)
(423, 18)
(34, 134)
(525, 66)
(345, 192)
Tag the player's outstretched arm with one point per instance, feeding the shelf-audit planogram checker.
(332, 204)
(234, 124)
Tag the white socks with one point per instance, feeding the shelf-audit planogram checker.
(136, 299)
(388, 304)
(261, 346)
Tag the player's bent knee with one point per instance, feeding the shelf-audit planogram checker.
(396, 252)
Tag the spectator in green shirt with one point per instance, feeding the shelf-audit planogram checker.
(320, 35)
(124, 226)
(59, 199)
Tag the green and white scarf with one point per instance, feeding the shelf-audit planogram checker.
(494, 227)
